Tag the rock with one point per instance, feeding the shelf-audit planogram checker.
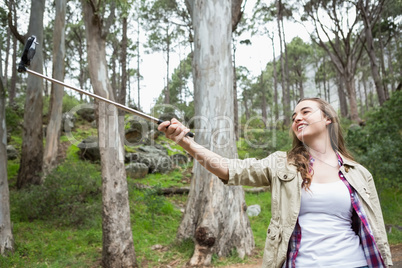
(89, 149)
(137, 170)
(154, 157)
(253, 210)
(133, 135)
(67, 122)
(88, 114)
(12, 153)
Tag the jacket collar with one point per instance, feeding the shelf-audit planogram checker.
(347, 161)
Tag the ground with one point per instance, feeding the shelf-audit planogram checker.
(396, 251)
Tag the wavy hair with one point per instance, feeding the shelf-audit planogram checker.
(299, 155)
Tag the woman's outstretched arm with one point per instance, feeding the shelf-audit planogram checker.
(213, 162)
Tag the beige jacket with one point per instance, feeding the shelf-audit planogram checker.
(285, 183)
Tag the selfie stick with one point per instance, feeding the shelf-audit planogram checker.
(27, 56)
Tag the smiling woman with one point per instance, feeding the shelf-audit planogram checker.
(316, 188)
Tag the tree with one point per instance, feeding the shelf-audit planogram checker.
(215, 214)
(56, 99)
(6, 235)
(118, 247)
(32, 136)
(299, 57)
(345, 48)
(370, 12)
(166, 29)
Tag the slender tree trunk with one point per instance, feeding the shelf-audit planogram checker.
(32, 136)
(263, 101)
(6, 62)
(343, 106)
(361, 99)
(118, 247)
(56, 100)
(235, 104)
(138, 63)
(215, 214)
(391, 69)
(6, 234)
(285, 88)
(373, 58)
(12, 89)
(13, 83)
(276, 104)
(167, 92)
(287, 100)
(123, 88)
(364, 81)
(245, 103)
(351, 89)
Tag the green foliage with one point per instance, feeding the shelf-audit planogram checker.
(391, 204)
(14, 118)
(378, 145)
(67, 196)
(259, 143)
(153, 200)
(69, 102)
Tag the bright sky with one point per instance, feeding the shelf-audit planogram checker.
(254, 57)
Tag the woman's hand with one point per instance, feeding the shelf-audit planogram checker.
(174, 130)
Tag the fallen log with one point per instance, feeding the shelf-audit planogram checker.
(186, 190)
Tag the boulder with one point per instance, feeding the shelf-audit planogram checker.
(12, 153)
(155, 158)
(88, 114)
(137, 170)
(89, 149)
(67, 122)
(253, 210)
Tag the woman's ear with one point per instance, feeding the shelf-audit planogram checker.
(328, 121)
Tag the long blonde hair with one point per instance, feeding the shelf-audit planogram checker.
(299, 155)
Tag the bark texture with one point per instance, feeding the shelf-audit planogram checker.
(6, 235)
(56, 100)
(32, 135)
(118, 247)
(215, 215)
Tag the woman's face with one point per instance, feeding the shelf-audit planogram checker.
(309, 121)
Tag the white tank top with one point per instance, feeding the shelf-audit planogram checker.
(325, 219)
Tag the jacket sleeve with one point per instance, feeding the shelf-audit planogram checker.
(382, 241)
(253, 172)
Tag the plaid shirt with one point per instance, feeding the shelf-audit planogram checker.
(373, 256)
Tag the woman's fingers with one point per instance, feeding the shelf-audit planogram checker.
(173, 130)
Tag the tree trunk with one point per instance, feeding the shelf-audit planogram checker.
(285, 89)
(56, 100)
(167, 92)
(138, 63)
(215, 214)
(276, 104)
(351, 89)
(263, 101)
(12, 89)
(235, 104)
(6, 235)
(123, 88)
(32, 136)
(287, 99)
(118, 247)
(371, 51)
(343, 106)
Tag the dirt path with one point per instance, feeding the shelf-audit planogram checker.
(396, 251)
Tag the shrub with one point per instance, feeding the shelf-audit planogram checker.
(378, 144)
(71, 195)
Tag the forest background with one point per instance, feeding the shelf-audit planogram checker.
(70, 199)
